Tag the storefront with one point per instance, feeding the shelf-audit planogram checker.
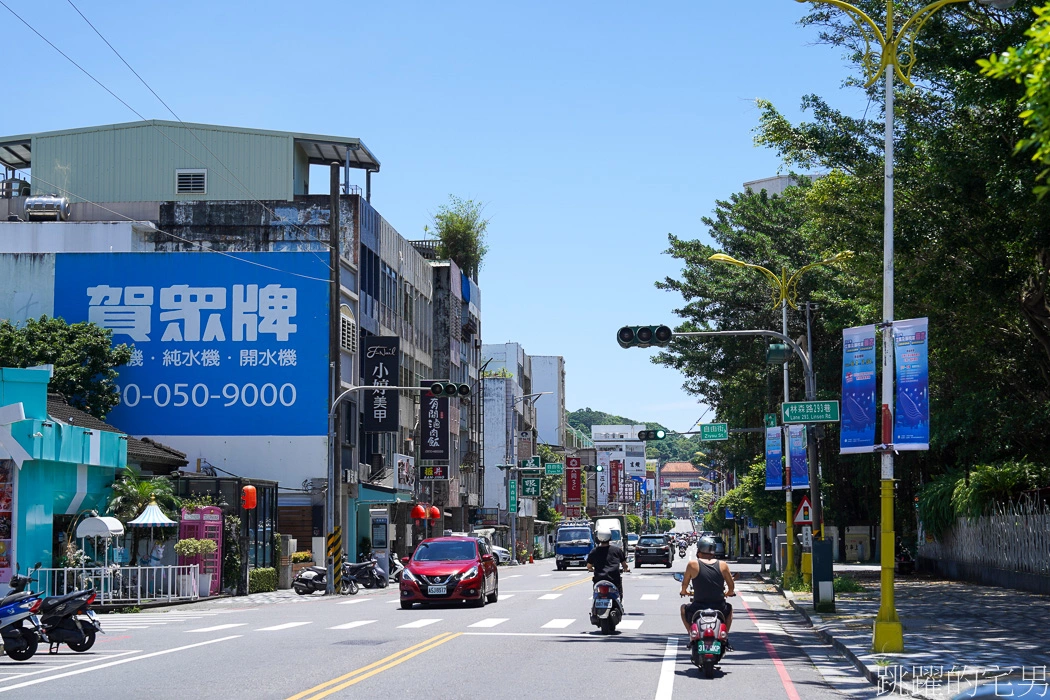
(50, 472)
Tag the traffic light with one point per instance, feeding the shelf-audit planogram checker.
(644, 336)
(597, 468)
(777, 353)
(449, 389)
(651, 434)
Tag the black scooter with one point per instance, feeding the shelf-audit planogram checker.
(68, 619)
(366, 573)
(310, 580)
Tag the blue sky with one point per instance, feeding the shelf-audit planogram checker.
(589, 130)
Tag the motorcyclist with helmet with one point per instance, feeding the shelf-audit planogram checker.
(607, 560)
(712, 584)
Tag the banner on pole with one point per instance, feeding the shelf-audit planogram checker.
(602, 480)
(774, 460)
(573, 491)
(911, 417)
(615, 466)
(797, 456)
(857, 426)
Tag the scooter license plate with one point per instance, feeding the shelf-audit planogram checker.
(437, 590)
(603, 603)
(713, 647)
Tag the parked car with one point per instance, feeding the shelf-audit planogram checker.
(447, 569)
(502, 555)
(720, 547)
(653, 549)
(632, 541)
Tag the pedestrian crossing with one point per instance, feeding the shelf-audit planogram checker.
(122, 622)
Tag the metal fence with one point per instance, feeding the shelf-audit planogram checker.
(1015, 537)
(124, 584)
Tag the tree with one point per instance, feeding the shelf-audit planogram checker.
(549, 487)
(84, 359)
(130, 495)
(461, 233)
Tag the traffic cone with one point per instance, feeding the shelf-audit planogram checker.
(530, 560)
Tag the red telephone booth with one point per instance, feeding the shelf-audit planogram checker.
(204, 524)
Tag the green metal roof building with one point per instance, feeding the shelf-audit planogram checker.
(159, 161)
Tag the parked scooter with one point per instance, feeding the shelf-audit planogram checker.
(366, 573)
(19, 635)
(310, 580)
(68, 619)
(708, 637)
(396, 567)
(606, 608)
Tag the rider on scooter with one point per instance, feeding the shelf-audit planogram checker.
(606, 560)
(709, 576)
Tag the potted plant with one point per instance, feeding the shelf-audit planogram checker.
(301, 560)
(191, 548)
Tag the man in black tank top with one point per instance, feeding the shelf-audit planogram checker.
(709, 577)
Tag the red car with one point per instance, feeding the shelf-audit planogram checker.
(445, 569)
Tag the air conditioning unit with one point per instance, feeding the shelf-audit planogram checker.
(318, 484)
(349, 476)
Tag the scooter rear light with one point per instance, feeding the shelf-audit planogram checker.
(708, 632)
(36, 605)
(603, 590)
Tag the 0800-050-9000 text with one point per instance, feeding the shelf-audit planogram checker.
(179, 395)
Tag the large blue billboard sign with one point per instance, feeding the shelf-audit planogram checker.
(911, 417)
(774, 460)
(857, 427)
(233, 344)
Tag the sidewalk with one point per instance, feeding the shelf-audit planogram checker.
(956, 635)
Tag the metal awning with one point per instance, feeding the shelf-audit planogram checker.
(103, 526)
(16, 151)
(324, 150)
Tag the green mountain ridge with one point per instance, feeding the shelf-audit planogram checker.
(675, 448)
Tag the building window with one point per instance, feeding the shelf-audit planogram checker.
(191, 181)
(347, 334)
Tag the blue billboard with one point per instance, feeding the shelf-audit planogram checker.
(911, 417)
(222, 344)
(857, 428)
(797, 456)
(774, 460)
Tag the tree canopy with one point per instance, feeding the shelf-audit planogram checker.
(461, 233)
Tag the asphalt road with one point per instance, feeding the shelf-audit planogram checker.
(535, 642)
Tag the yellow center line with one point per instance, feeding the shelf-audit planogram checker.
(433, 641)
(570, 585)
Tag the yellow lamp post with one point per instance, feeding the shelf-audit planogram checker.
(890, 52)
(785, 293)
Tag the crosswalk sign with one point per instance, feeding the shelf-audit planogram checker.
(804, 514)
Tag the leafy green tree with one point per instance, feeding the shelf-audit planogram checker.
(130, 495)
(461, 232)
(634, 524)
(84, 359)
(549, 487)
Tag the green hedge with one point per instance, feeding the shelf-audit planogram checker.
(262, 580)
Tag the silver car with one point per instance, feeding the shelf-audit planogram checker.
(502, 555)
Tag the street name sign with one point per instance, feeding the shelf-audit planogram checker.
(714, 431)
(530, 488)
(810, 411)
(554, 468)
(512, 495)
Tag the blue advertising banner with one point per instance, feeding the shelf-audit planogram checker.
(774, 460)
(911, 417)
(857, 427)
(221, 344)
(797, 456)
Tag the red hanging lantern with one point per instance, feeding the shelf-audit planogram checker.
(248, 497)
(435, 513)
(418, 512)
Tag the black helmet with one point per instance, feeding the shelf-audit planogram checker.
(706, 545)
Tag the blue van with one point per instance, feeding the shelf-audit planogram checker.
(572, 543)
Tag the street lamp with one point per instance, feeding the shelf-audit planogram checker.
(893, 54)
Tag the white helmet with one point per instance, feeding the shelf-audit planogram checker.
(603, 533)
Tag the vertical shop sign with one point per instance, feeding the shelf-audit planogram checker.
(615, 466)
(573, 472)
(435, 426)
(382, 367)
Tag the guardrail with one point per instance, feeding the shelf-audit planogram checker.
(124, 584)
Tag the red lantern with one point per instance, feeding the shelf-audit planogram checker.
(248, 497)
(418, 512)
(435, 513)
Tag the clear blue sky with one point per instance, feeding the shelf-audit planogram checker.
(589, 130)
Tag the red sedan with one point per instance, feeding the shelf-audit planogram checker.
(445, 569)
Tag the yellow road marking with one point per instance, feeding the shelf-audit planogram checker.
(570, 585)
(374, 668)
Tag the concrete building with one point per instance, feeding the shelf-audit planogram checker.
(548, 380)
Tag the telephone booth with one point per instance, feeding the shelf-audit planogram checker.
(204, 524)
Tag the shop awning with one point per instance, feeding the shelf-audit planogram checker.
(101, 526)
(152, 516)
(372, 494)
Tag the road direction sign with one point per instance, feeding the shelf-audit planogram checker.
(512, 495)
(554, 468)
(530, 488)
(810, 411)
(532, 463)
(771, 420)
(714, 431)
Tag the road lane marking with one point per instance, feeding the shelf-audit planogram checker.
(513, 576)
(352, 625)
(419, 623)
(630, 624)
(558, 623)
(13, 672)
(550, 596)
(118, 662)
(354, 602)
(504, 596)
(491, 622)
(650, 596)
(216, 628)
(285, 626)
(544, 575)
(570, 585)
(578, 573)
(785, 679)
(323, 690)
(751, 598)
(576, 635)
(665, 687)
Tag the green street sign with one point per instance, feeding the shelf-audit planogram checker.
(532, 463)
(512, 495)
(530, 473)
(810, 411)
(530, 487)
(714, 431)
(771, 420)
(554, 469)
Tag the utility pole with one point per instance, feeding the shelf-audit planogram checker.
(811, 438)
(333, 500)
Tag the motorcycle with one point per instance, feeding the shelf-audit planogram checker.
(20, 640)
(681, 550)
(310, 580)
(708, 638)
(366, 573)
(66, 619)
(396, 567)
(606, 608)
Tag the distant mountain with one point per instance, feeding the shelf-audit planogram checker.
(674, 448)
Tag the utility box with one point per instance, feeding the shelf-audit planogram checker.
(284, 562)
(823, 577)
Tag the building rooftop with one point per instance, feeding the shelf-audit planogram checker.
(678, 468)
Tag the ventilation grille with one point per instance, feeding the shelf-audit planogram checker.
(348, 334)
(191, 182)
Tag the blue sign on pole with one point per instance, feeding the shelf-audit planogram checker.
(857, 425)
(774, 460)
(797, 456)
(911, 415)
(221, 344)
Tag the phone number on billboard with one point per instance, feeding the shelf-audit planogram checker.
(198, 395)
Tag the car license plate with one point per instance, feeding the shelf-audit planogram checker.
(603, 603)
(436, 590)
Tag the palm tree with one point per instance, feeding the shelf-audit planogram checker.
(132, 493)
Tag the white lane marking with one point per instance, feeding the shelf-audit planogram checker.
(630, 624)
(550, 596)
(522, 634)
(650, 596)
(216, 628)
(419, 623)
(513, 576)
(578, 573)
(354, 602)
(666, 685)
(285, 626)
(118, 662)
(491, 622)
(751, 598)
(504, 596)
(351, 625)
(12, 674)
(544, 575)
(558, 623)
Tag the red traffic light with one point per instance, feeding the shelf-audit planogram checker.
(418, 512)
